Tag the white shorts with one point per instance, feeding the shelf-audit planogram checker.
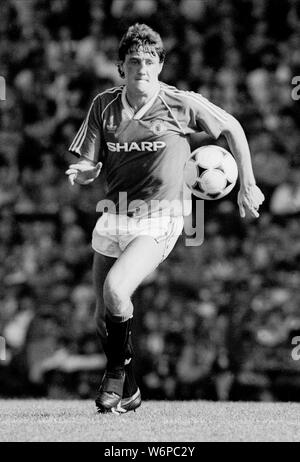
(113, 233)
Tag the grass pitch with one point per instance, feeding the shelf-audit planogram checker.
(154, 421)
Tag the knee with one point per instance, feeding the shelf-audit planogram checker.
(116, 298)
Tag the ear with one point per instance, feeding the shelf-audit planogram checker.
(161, 65)
(121, 70)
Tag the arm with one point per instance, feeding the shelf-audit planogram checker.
(203, 115)
(87, 146)
(250, 196)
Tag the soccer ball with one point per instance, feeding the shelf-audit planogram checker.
(211, 172)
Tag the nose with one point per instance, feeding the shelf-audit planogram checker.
(142, 67)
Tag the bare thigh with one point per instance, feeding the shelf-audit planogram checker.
(139, 259)
(116, 279)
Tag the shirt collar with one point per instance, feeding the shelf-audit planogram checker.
(141, 112)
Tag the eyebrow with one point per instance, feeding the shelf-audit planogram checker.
(139, 58)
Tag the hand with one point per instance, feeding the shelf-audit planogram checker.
(249, 200)
(83, 173)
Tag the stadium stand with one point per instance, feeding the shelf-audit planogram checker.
(214, 322)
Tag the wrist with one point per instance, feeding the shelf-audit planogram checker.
(247, 184)
(86, 162)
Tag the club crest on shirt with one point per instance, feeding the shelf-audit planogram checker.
(157, 127)
(110, 125)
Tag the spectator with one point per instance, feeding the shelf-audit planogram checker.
(286, 197)
(215, 321)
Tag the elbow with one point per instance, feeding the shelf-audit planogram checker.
(232, 127)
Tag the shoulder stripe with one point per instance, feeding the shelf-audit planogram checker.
(170, 87)
(110, 103)
(76, 144)
(81, 134)
(201, 100)
(78, 140)
(172, 113)
(111, 90)
(210, 107)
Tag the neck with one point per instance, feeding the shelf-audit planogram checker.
(137, 98)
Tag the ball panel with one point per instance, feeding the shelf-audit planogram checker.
(230, 168)
(213, 181)
(226, 190)
(209, 158)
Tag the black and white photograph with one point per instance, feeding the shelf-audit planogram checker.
(149, 223)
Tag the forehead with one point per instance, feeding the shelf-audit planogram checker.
(145, 52)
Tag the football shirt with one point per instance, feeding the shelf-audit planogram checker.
(144, 153)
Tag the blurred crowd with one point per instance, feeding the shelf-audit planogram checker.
(218, 321)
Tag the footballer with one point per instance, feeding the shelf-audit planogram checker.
(138, 132)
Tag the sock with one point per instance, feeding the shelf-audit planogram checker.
(118, 334)
(130, 385)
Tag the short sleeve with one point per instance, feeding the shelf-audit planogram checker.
(88, 140)
(204, 115)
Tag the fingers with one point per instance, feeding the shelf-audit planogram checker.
(254, 212)
(261, 197)
(242, 210)
(250, 202)
(259, 202)
(72, 175)
(70, 171)
(83, 167)
(98, 168)
(241, 206)
(79, 167)
(72, 178)
(82, 173)
(254, 208)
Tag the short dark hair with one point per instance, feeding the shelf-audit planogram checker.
(141, 36)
